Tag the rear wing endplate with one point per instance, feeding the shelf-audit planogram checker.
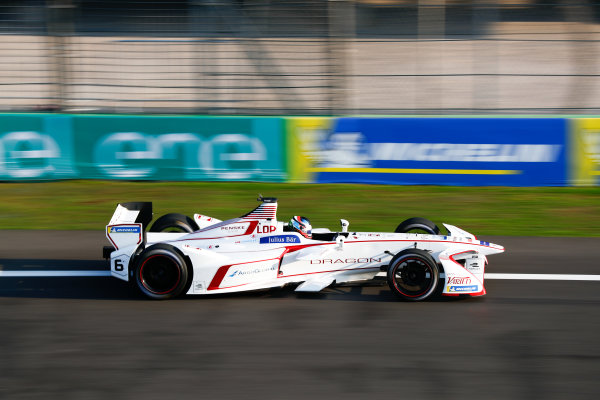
(128, 224)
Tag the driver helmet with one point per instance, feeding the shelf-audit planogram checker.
(301, 225)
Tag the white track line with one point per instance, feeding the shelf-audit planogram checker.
(540, 277)
(37, 274)
(544, 277)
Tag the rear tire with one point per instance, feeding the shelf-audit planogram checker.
(174, 222)
(162, 272)
(418, 225)
(413, 275)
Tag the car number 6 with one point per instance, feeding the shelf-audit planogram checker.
(118, 265)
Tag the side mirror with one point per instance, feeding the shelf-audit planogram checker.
(340, 242)
(344, 224)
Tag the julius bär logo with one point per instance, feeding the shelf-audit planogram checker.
(280, 239)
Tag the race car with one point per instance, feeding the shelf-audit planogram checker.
(204, 255)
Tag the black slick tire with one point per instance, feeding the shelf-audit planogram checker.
(174, 222)
(413, 275)
(161, 272)
(418, 225)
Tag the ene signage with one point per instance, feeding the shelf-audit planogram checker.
(39, 147)
(35, 147)
(180, 148)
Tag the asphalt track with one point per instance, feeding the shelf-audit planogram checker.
(95, 338)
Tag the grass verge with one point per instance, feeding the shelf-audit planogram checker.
(88, 205)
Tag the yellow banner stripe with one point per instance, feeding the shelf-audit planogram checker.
(420, 171)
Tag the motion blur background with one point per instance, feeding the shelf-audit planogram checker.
(501, 94)
(264, 57)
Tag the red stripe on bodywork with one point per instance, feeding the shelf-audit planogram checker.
(251, 227)
(323, 272)
(482, 293)
(281, 261)
(302, 246)
(218, 278)
(222, 271)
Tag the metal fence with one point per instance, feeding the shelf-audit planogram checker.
(300, 57)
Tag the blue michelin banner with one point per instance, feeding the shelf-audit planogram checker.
(443, 151)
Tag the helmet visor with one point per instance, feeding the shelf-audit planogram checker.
(302, 225)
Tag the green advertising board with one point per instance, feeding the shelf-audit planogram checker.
(36, 147)
(42, 147)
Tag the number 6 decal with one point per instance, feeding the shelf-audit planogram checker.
(118, 265)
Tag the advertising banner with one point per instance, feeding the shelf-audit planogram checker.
(440, 151)
(180, 148)
(36, 147)
(304, 138)
(44, 147)
(585, 152)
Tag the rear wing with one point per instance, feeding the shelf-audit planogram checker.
(128, 224)
(133, 212)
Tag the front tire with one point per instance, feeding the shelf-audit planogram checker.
(174, 222)
(413, 275)
(161, 272)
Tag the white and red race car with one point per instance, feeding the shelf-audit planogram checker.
(180, 255)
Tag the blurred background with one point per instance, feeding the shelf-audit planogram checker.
(311, 57)
(80, 81)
